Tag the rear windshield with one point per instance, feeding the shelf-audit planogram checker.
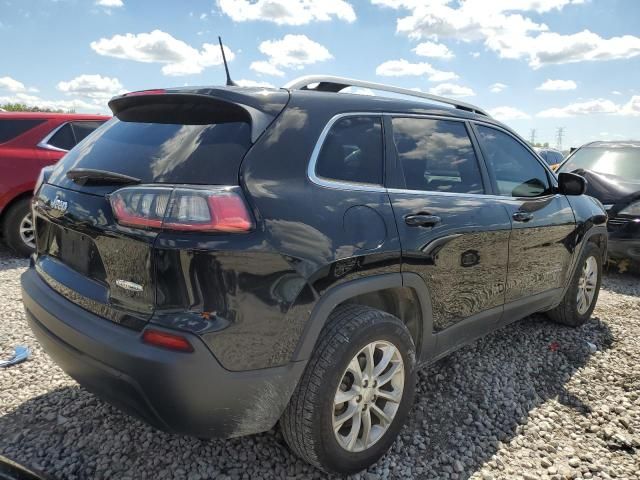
(164, 152)
(623, 162)
(10, 129)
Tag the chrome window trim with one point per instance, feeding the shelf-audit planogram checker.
(338, 184)
(447, 194)
(362, 187)
(44, 143)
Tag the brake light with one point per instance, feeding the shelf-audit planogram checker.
(157, 91)
(166, 340)
(219, 209)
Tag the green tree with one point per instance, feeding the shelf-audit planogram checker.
(22, 107)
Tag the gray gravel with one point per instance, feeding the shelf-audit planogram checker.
(532, 401)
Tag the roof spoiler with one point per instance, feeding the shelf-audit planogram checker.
(166, 106)
(326, 83)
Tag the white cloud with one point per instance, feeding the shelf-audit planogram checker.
(292, 51)
(92, 86)
(588, 107)
(109, 3)
(632, 107)
(8, 83)
(471, 20)
(594, 107)
(254, 83)
(555, 85)
(402, 68)
(540, 6)
(554, 48)
(288, 12)
(616, 92)
(433, 50)
(266, 68)
(497, 87)
(508, 113)
(505, 29)
(452, 90)
(178, 57)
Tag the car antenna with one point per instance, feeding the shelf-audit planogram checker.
(230, 83)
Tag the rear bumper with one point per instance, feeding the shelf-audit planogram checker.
(187, 393)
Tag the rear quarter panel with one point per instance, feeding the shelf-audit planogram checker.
(308, 239)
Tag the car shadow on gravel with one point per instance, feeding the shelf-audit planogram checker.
(479, 398)
(467, 405)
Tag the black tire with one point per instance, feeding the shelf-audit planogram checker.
(11, 227)
(567, 312)
(307, 423)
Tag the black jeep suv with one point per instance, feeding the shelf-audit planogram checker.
(215, 260)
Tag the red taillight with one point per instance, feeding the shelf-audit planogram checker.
(166, 340)
(157, 91)
(220, 209)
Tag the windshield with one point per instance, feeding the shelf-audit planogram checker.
(622, 162)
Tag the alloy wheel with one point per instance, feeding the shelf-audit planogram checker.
(368, 396)
(587, 285)
(27, 233)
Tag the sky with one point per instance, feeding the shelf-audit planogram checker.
(537, 65)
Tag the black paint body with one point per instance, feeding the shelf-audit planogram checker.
(254, 304)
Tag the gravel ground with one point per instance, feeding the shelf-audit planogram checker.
(532, 401)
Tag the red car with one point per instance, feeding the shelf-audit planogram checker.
(29, 142)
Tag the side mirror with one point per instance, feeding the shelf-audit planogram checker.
(571, 184)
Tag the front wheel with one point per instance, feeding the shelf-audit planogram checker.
(581, 296)
(355, 393)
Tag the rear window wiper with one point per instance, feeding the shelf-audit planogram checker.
(90, 176)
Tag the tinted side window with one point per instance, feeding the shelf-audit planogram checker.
(436, 155)
(63, 138)
(352, 151)
(517, 172)
(82, 129)
(10, 129)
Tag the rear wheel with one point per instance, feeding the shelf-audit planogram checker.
(18, 229)
(355, 393)
(581, 296)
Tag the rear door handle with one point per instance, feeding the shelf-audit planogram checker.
(521, 216)
(421, 220)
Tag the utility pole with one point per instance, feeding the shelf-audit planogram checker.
(533, 137)
(559, 135)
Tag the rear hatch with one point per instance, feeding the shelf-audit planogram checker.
(158, 141)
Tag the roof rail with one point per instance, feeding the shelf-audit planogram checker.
(327, 83)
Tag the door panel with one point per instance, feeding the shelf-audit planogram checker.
(542, 221)
(453, 236)
(462, 259)
(540, 248)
